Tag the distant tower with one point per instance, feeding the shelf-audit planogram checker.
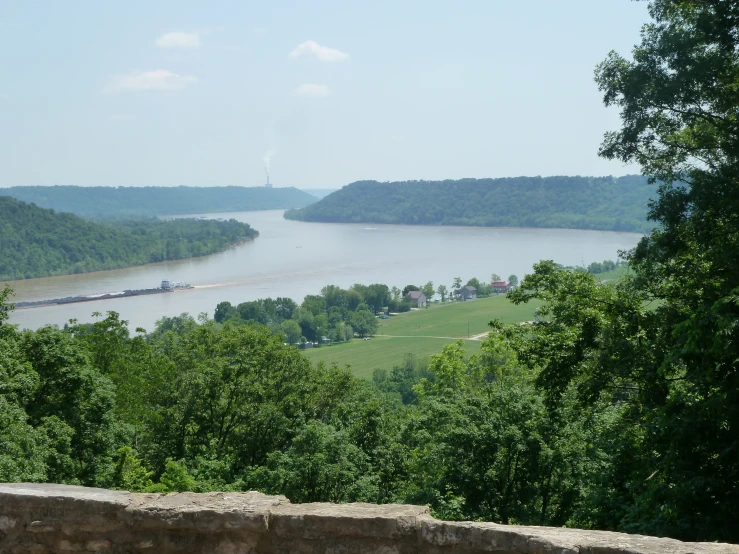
(268, 185)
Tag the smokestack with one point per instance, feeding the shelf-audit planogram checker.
(267, 157)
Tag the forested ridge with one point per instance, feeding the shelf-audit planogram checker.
(36, 242)
(121, 202)
(605, 203)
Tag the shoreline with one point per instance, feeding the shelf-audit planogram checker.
(229, 247)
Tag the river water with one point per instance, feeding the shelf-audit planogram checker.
(293, 259)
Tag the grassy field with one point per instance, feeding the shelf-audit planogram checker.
(422, 333)
(363, 357)
(608, 276)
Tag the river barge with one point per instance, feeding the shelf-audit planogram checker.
(165, 287)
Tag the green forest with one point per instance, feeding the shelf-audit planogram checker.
(125, 202)
(605, 203)
(36, 242)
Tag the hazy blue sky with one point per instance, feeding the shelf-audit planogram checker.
(196, 93)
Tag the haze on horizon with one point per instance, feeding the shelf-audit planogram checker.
(189, 93)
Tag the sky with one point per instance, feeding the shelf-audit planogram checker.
(141, 93)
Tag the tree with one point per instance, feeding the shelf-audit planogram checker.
(495, 277)
(321, 326)
(284, 308)
(656, 345)
(252, 311)
(376, 296)
(457, 284)
(74, 393)
(224, 310)
(321, 464)
(314, 303)
(5, 306)
(353, 299)
(513, 280)
(409, 288)
(291, 331)
(428, 290)
(364, 323)
(307, 324)
(334, 296)
(442, 290)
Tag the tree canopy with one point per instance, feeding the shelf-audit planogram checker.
(606, 203)
(122, 202)
(35, 242)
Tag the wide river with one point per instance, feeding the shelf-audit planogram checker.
(293, 259)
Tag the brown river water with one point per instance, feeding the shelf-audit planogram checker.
(293, 259)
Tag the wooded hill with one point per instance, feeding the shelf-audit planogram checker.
(36, 242)
(605, 203)
(107, 202)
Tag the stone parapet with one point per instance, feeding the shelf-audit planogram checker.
(45, 519)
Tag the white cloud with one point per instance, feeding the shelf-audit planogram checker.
(179, 39)
(122, 117)
(159, 79)
(312, 49)
(312, 90)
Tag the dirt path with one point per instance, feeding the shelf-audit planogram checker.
(425, 337)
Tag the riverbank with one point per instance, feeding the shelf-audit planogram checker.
(339, 254)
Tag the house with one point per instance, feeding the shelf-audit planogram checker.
(500, 286)
(466, 293)
(417, 298)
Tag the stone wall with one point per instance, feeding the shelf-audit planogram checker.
(44, 519)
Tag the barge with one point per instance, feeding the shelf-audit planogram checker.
(165, 287)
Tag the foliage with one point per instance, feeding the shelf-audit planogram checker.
(606, 203)
(442, 291)
(335, 314)
(678, 99)
(126, 202)
(36, 242)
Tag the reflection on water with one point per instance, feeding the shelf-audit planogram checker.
(292, 259)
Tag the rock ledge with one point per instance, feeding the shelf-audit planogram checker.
(46, 519)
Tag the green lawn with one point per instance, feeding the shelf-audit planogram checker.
(422, 333)
(363, 357)
(450, 320)
(613, 275)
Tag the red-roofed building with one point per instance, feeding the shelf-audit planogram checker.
(500, 286)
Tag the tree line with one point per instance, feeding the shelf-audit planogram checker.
(36, 242)
(205, 406)
(605, 203)
(127, 202)
(336, 314)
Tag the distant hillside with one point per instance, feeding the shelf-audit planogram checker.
(104, 202)
(35, 242)
(319, 193)
(605, 203)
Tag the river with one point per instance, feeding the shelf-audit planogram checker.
(293, 259)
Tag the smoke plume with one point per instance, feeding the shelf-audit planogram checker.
(267, 158)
